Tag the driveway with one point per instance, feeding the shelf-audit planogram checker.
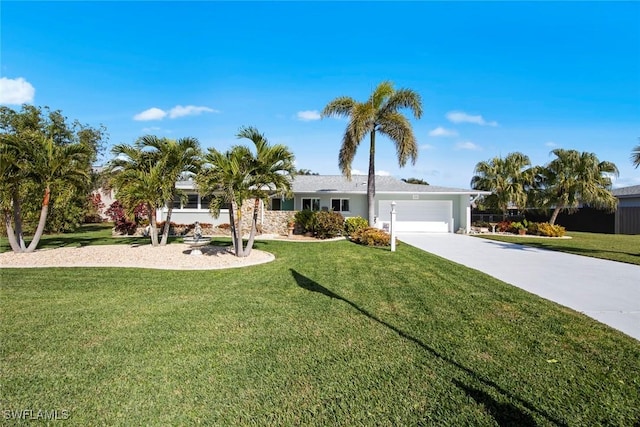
(607, 291)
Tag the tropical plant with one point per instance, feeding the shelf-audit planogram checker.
(415, 181)
(41, 155)
(379, 114)
(573, 178)
(507, 178)
(138, 178)
(635, 156)
(237, 175)
(306, 220)
(174, 159)
(371, 236)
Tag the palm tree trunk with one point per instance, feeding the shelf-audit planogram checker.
(154, 226)
(167, 224)
(236, 233)
(254, 228)
(13, 242)
(554, 216)
(17, 220)
(41, 223)
(371, 180)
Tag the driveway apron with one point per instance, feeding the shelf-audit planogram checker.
(607, 291)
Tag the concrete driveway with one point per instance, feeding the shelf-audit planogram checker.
(607, 291)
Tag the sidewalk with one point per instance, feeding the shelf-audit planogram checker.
(607, 291)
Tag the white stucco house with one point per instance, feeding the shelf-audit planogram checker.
(425, 208)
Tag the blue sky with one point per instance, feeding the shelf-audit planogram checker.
(494, 77)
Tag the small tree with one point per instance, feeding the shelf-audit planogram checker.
(573, 178)
(237, 175)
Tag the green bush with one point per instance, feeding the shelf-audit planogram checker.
(329, 224)
(371, 236)
(306, 220)
(353, 224)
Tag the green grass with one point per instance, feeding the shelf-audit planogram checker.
(613, 247)
(327, 334)
(87, 234)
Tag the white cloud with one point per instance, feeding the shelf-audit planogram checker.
(550, 144)
(150, 114)
(177, 111)
(383, 173)
(426, 147)
(189, 110)
(16, 91)
(308, 115)
(462, 117)
(467, 145)
(440, 131)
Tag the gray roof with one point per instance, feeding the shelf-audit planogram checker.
(358, 184)
(633, 191)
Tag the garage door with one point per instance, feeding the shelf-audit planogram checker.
(420, 215)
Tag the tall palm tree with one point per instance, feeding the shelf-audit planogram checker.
(138, 178)
(237, 175)
(573, 178)
(174, 158)
(379, 114)
(507, 178)
(635, 156)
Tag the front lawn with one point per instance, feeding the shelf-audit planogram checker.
(327, 334)
(614, 247)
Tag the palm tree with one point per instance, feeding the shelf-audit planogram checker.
(573, 178)
(507, 178)
(273, 168)
(237, 175)
(378, 114)
(635, 156)
(138, 178)
(54, 170)
(174, 159)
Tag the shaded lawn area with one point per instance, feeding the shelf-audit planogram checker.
(87, 234)
(327, 334)
(613, 247)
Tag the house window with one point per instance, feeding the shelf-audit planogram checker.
(205, 202)
(311, 204)
(340, 205)
(192, 201)
(177, 204)
(276, 204)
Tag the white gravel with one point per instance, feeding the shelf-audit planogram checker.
(176, 256)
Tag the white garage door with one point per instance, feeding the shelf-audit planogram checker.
(420, 215)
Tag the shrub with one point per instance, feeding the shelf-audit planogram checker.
(306, 220)
(329, 224)
(353, 224)
(548, 230)
(371, 236)
(117, 214)
(503, 226)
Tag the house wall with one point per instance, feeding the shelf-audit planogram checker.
(357, 202)
(459, 209)
(627, 218)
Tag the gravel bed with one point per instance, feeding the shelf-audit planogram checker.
(176, 256)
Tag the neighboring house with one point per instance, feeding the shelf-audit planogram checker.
(418, 207)
(628, 211)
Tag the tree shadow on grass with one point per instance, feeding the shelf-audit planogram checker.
(499, 411)
(504, 414)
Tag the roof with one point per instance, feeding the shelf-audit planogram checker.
(358, 184)
(632, 191)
